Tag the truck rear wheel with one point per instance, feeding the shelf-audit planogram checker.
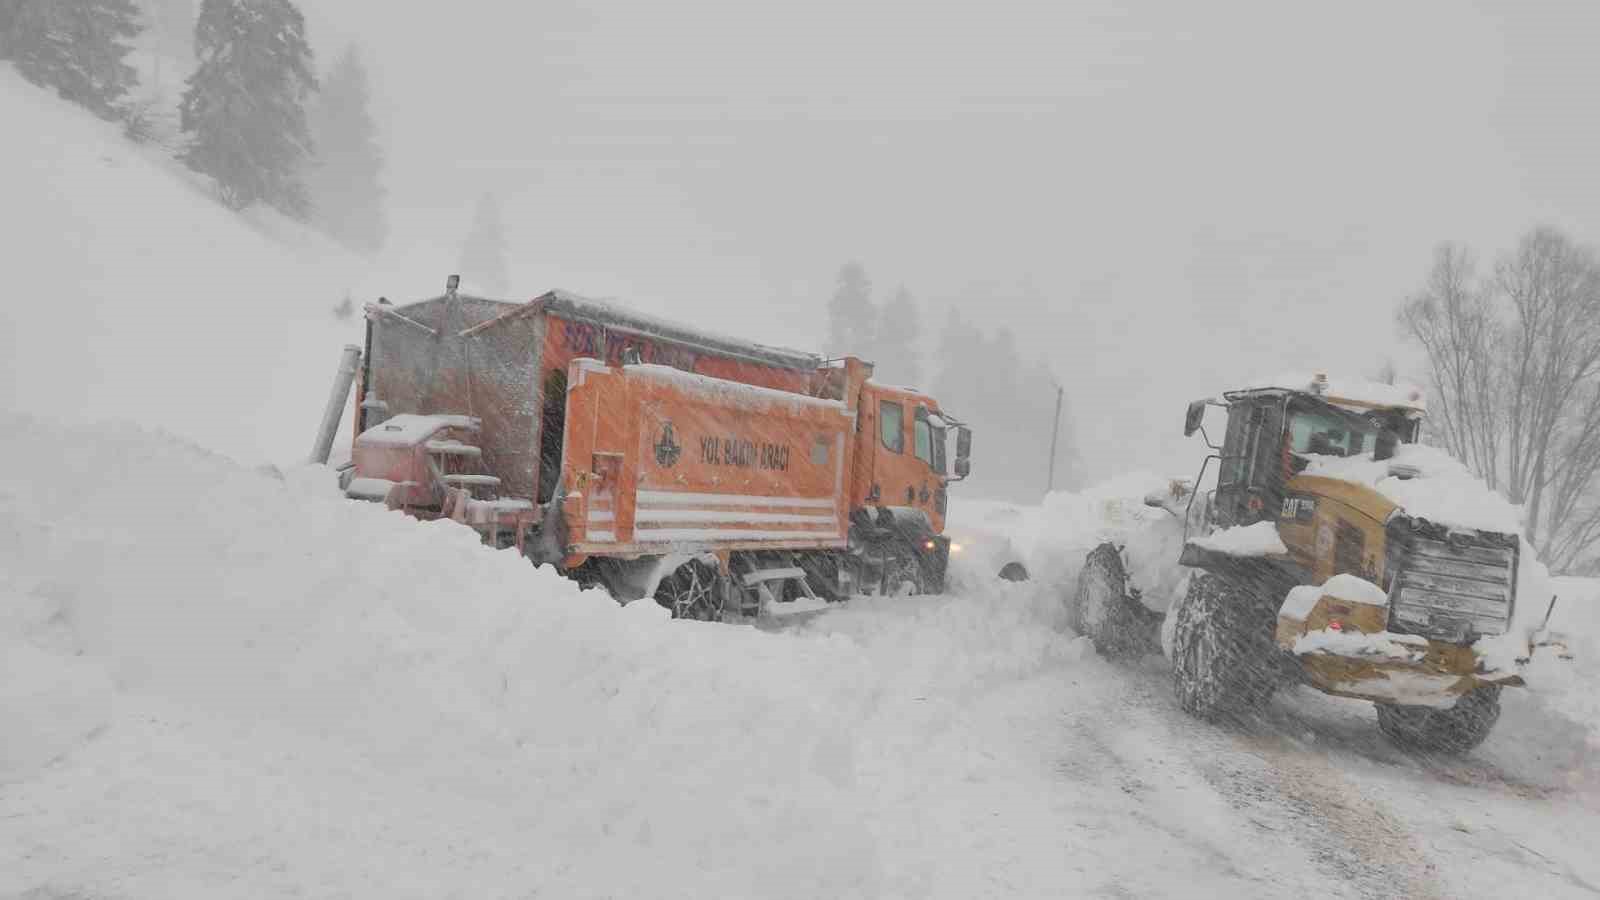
(1104, 611)
(1224, 662)
(693, 591)
(1455, 730)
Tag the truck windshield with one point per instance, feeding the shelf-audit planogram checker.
(1327, 433)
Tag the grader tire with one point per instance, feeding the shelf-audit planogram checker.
(1455, 730)
(1224, 662)
(1103, 610)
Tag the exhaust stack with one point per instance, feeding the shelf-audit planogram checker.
(349, 361)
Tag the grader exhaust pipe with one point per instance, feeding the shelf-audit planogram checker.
(349, 362)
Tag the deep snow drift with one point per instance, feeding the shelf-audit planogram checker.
(221, 681)
(227, 682)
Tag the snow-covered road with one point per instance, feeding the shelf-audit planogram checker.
(220, 682)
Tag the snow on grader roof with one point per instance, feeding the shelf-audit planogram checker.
(1342, 391)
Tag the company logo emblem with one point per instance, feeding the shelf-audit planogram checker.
(667, 448)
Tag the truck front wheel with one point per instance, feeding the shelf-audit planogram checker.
(1223, 658)
(1455, 730)
(694, 591)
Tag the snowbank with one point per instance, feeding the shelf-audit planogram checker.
(220, 681)
(1052, 539)
(1260, 539)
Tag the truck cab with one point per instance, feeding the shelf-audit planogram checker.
(901, 437)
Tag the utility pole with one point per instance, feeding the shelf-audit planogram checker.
(1055, 436)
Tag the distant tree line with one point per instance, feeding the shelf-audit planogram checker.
(977, 374)
(1513, 360)
(254, 117)
(889, 334)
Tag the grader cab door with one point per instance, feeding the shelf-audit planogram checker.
(1250, 479)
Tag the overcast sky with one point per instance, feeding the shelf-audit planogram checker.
(1165, 197)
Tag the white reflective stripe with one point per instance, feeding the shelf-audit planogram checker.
(727, 534)
(731, 517)
(690, 498)
(603, 515)
(602, 536)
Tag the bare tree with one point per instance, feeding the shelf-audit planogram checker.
(1515, 365)
(1553, 287)
(1454, 322)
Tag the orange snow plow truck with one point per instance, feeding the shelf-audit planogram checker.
(718, 476)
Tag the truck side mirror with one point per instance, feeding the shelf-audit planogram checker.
(963, 451)
(1193, 417)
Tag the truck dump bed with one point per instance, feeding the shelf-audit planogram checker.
(506, 364)
(657, 457)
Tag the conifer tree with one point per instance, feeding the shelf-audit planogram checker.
(8, 18)
(852, 320)
(483, 258)
(244, 108)
(77, 47)
(344, 182)
(899, 333)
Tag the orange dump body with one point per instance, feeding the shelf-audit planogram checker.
(658, 459)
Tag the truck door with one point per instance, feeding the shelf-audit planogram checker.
(927, 445)
(907, 456)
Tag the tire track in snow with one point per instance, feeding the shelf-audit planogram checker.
(1293, 802)
(1122, 738)
(1371, 848)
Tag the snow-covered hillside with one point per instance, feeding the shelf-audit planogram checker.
(132, 294)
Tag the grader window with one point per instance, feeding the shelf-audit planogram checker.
(1315, 432)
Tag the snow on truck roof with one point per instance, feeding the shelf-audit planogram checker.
(733, 392)
(617, 317)
(1343, 391)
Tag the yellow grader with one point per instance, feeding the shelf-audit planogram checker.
(1325, 555)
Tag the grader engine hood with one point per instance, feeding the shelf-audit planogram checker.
(1415, 598)
(1449, 548)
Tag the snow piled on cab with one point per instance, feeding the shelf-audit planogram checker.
(1428, 483)
(1338, 388)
